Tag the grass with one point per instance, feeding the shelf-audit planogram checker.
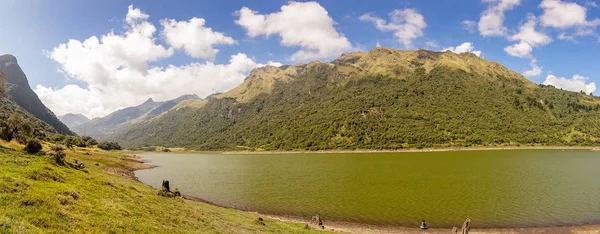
(39, 196)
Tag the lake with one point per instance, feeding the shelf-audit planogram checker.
(497, 188)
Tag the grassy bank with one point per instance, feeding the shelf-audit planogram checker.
(39, 196)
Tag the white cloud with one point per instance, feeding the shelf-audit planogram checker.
(491, 22)
(562, 15)
(469, 25)
(535, 69)
(432, 45)
(274, 64)
(304, 24)
(521, 50)
(528, 39)
(575, 84)
(116, 74)
(464, 47)
(193, 37)
(407, 24)
(134, 15)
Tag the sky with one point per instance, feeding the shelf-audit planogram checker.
(95, 57)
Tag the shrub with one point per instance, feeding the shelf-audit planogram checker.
(109, 145)
(89, 141)
(33, 146)
(58, 153)
(5, 132)
(69, 142)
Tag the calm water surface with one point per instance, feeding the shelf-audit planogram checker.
(493, 188)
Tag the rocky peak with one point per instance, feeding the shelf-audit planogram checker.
(8, 58)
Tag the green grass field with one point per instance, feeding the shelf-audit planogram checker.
(39, 196)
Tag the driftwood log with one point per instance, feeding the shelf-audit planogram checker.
(466, 227)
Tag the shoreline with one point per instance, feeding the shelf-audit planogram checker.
(409, 150)
(356, 227)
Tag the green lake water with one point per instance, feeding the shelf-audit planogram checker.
(508, 188)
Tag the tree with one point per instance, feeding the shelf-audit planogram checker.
(109, 145)
(20, 128)
(89, 140)
(2, 84)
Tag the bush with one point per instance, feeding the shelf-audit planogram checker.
(33, 146)
(89, 141)
(109, 145)
(58, 153)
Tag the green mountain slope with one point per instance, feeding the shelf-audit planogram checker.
(382, 99)
(21, 93)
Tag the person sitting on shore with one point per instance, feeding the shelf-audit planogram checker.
(423, 225)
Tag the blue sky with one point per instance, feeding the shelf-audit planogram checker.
(33, 29)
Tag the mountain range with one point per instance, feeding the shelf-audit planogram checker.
(99, 128)
(381, 99)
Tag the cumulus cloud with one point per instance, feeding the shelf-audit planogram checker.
(491, 22)
(468, 25)
(115, 73)
(193, 37)
(528, 38)
(535, 69)
(577, 83)
(299, 24)
(407, 24)
(562, 15)
(464, 47)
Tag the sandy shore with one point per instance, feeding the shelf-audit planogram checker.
(592, 148)
(348, 227)
(360, 228)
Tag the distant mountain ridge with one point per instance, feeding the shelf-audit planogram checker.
(21, 94)
(73, 119)
(381, 99)
(103, 126)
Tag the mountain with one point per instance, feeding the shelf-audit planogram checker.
(21, 93)
(165, 106)
(99, 128)
(73, 120)
(381, 99)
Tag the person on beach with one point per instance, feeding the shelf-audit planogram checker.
(423, 225)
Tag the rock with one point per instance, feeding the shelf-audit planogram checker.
(317, 220)
(306, 226)
(466, 226)
(454, 230)
(165, 186)
(261, 221)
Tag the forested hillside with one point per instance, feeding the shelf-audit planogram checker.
(15, 122)
(382, 99)
(20, 93)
